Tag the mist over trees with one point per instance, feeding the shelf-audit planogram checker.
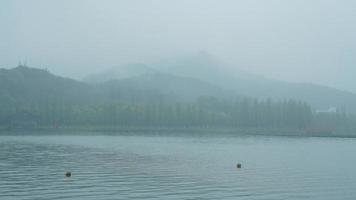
(35, 98)
(206, 112)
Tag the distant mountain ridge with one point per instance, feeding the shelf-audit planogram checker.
(143, 77)
(209, 70)
(27, 85)
(141, 82)
(122, 72)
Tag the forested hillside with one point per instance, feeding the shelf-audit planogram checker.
(36, 98)
(208, 68)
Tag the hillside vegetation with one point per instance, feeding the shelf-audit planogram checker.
(32, 97)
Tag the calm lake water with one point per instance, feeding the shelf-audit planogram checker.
(176, 167)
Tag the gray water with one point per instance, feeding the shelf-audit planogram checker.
(181, 167)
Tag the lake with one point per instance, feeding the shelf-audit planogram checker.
(176, 167)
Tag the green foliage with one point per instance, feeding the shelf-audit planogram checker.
(205, 112)
(33, 96)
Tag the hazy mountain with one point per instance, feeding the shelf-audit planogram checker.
(120, 72)
(154, 95)
(202, 74)
(207, 68)
(180, 81)
(28, 85)
(30, 97)
(182, 88)
(142, 77)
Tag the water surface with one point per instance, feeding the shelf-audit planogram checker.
(176, 167)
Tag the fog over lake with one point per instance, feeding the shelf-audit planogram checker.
(178, 99)
(300, 41)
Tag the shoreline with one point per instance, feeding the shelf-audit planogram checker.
(168, 131)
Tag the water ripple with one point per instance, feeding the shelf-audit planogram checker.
(151, 168)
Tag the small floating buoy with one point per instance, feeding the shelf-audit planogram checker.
(238, 166)
(68, 174)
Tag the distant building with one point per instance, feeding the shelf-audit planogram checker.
(329, 110)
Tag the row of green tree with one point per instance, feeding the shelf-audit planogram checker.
(205, 112)
(33, 97)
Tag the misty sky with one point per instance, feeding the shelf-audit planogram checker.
(294, 40)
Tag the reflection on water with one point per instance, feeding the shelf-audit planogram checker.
(138, 167)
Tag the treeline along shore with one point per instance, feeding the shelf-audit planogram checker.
(33, 99)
